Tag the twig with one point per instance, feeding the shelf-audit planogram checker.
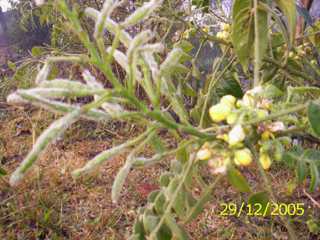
(311, 199)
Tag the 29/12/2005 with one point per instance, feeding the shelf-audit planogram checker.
(261, 210)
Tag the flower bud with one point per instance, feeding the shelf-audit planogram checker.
(228, 99)
(291, 54)
(223, 137)
(248, 100)
(225, 27)
(262, 113)
(265, 161)
(236, 135)
(243, 157)
(204, 154)
(219, 112)
(277, 126)
(232, 118)
(313, 62)
(266, 135)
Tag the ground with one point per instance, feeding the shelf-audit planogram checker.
(51, 205)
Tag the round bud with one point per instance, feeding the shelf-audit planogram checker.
(265, 161)
(225, 27)
(219, 112)
(313, 62)
(228, 99)
(236, 135)
(232, 118)
(243, 157)
(204, 154)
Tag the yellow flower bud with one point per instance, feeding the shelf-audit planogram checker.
(265, 161)
(248, 100)
(297, 58)
(223, 137)
(266, 135)
(204, 154)
(243, 157)
(239, 104)
(228, 99)
(232, 118)
(262, 113)
(291, 54)
(220, 35)
(236, 135)
(313, 62)
(225, 27)
(219, 112)
(205, 29)
(225, 35)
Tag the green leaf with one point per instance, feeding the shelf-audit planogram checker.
(178, 232)
(315, 177)
(175, 166)
(263, 34)
(2, 172)
(288, 7)
(36, 51)
(160, 204)
(237, 180)
(242, 30)
(165, 179)
(259, 198)
(271, 91)
(12, 65)
(186, 46)
(153, 195)
(314, 117)
(301, 171)
(157, 144)
(138, 229)
(149, 221)
(229, 86)
(313, 226)
(182, 154)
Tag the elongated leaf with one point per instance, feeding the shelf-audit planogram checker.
(314, 118)
(119, 181)
(49, 135)
(288, 7)
(237, 180)
(301, 170)
(243, 30)
(177, 232)
(315, 177)
(260, 198)
(263, 32)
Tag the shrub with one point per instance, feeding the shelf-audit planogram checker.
(226, 130)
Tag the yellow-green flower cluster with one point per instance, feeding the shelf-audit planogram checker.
(225, 32)
(233, 112)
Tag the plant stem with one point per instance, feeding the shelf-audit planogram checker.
(172, 200)
(256, 80)
(268, 187)
(278, 114)
(203, 199)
